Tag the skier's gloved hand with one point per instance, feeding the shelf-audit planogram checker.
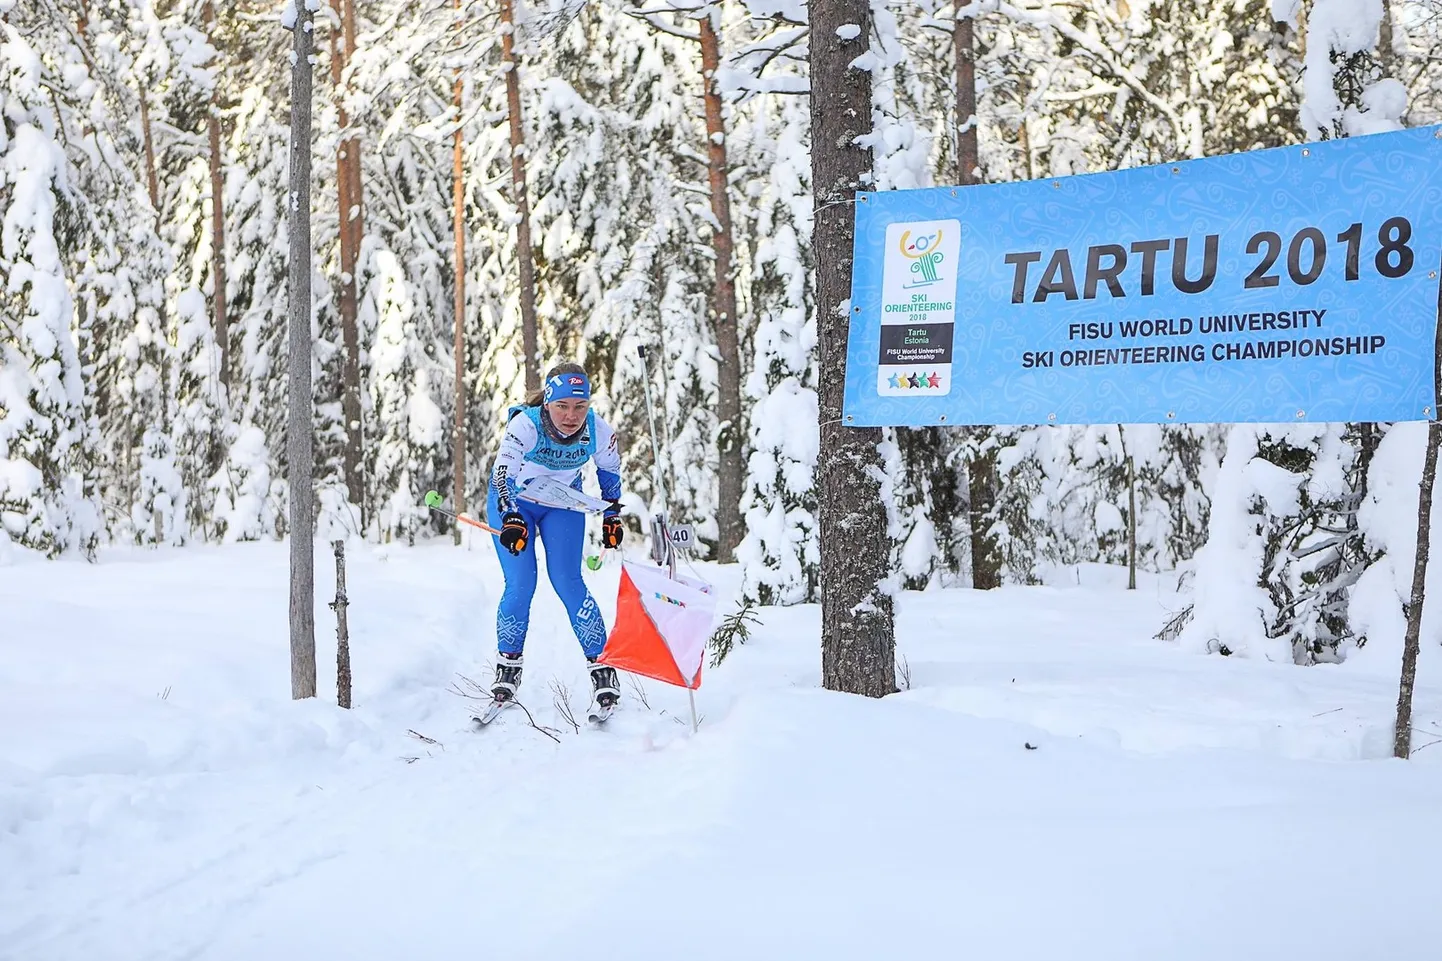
(612, 530)
(514, 533)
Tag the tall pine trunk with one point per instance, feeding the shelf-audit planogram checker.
(152, 180)
(458, 190)
(858, 643)
(963, 40)
(1412, 642)
(723, 304)
(981, 462)
(529, 345)
(300, 426)
(217, 211)
(348, 189)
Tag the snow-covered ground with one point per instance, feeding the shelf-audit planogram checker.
(161, 797)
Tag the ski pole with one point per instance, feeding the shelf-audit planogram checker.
(651, 423)
(433, 501)
(666, 553)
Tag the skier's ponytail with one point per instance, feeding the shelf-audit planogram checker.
(534, 397)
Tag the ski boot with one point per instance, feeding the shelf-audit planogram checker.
(606, 691)
(503, 691)
(508, 676)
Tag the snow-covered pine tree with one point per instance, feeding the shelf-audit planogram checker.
(350, 230)
(1345, 91)
(402, 76)
(1297, 534)
(119, 281)
(704, 25)
(520, 197)
(922, 479)
(244, 427)
(619, 197)
(47, 497)
(780, 555)
(1282, 547)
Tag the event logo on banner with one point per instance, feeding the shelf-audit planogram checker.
(1289, 284)
(918, 308)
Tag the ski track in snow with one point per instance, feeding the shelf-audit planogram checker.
(1175, 806)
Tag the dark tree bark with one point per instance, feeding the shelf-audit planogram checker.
(152, 180)
(1131, 524)
(342, 630)
(300, 425)
(981, 465)
(858, 643)
(968, 159)
(217, 215)
(731, 472)
(529, 344)
(348, 189)
(1386, 45)
(1412, 642)
(458, 190)
(1411, 646)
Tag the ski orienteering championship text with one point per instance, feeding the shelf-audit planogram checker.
(1288, 284)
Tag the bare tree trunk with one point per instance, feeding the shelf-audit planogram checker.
(348, 192)
(1386, 44)
(1412, 642)
(963, 36)
(981, 465)
(1411, 646)
(342, 630)
(1131, 524)
(529, 345)
(981, 485)
(731, 474)
(858, 642)
(152, 180)
(300, 425)
(458, 188)
(217, 213)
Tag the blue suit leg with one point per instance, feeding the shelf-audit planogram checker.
(513, 614)
(564, 532)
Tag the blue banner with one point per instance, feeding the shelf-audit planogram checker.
(1290, 284)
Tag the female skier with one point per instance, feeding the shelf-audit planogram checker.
(554, 433)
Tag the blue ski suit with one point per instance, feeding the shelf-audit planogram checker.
(528, 449)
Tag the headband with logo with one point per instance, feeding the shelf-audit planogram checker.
(567, 385)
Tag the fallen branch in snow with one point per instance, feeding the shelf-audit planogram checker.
(1332, 711)
(640, 692)
(561, 699)
(482, 694)
(1173, 628)
(413, 758)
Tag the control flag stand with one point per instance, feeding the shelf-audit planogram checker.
(663, 619)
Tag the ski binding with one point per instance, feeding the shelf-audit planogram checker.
(489, 714)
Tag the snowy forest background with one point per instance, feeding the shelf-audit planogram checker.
(138, 406)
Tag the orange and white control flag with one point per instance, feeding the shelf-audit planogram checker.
(662, 625)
